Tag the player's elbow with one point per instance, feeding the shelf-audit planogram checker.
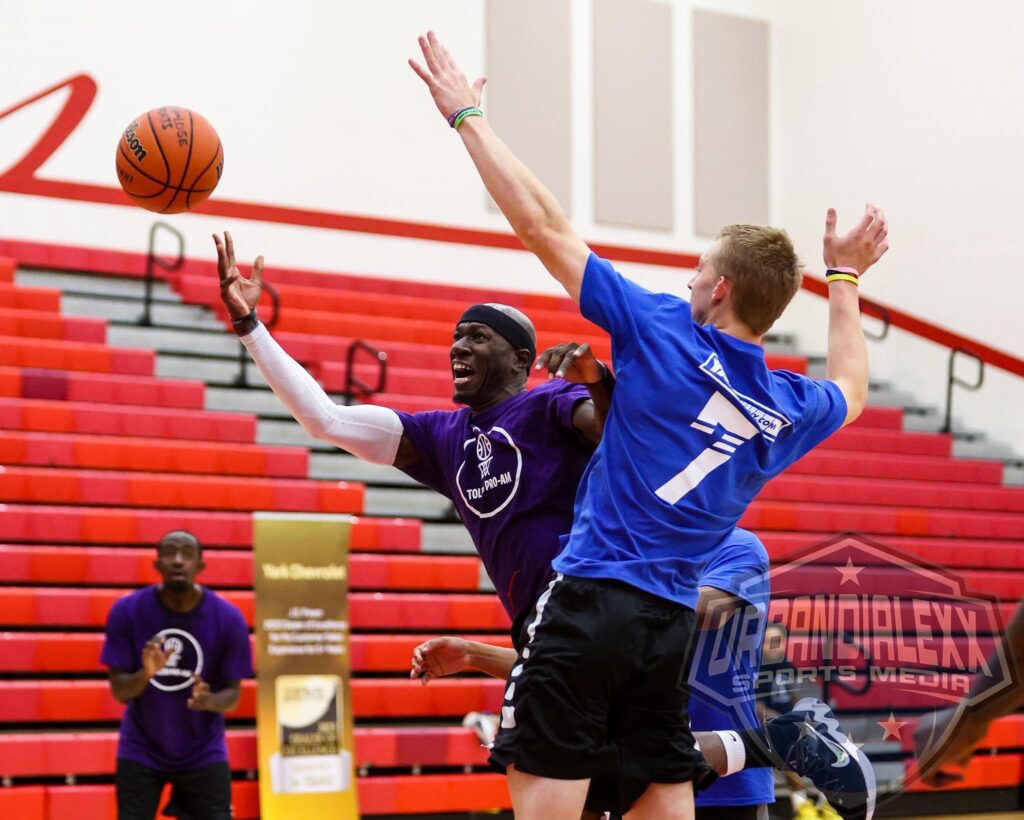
(855, 391)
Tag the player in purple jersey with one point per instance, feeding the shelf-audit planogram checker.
(698, 426)
(509, 458)
(177, 653)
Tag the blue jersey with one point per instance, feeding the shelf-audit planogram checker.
(726, 662)
(697, 426)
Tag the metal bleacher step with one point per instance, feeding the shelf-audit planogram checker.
(168, 340)
(405, 503)
(260, 401)
(210, 369)
(977, 445)
(339, 466)
(127, 311)
(83, 283)
(1013, 472)
(287, 432)
(450, 539)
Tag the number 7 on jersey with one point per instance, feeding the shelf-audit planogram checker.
(738, 429)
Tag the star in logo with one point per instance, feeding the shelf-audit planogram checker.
(892, 727)
(849, 572)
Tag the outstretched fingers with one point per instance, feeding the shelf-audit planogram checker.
(257, 271)
(865, 221)
(444, 57)
(421, 71)
(427, 47)
(830, 223)
(222, 264)
(879, 227)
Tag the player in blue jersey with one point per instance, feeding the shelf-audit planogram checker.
(698, 426)
(544, 437)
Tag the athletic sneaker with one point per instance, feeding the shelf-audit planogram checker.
(810, 742)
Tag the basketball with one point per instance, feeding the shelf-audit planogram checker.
(169, 160)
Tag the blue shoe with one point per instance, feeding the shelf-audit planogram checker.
(810, 742)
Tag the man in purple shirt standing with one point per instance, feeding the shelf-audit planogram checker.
(177, 653)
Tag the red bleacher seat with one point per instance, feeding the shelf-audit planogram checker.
(953, 552)
(56, 754)
(25, 298)
(109, 525)
(92, 357)
(89, 701)
(44, 564)
(129, 453)
(49, 324)
(79, 652)
(894, 493)
(104, 388)
(104, 419)
(392, 794)
(158, 490)
(836, 517)
(823, 461)
(61, 606)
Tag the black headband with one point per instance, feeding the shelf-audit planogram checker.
(513, 332)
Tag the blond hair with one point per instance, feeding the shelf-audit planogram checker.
(764, 270)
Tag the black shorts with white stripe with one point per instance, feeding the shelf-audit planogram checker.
(600, 687)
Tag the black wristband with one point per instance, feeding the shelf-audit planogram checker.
(247, 324)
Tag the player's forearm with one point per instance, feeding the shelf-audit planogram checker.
(496, 661)
(369, 432)
(1011, 697)
(847, 350)
(224, 701)
(601, 395)
(126, 686)
(530, 208)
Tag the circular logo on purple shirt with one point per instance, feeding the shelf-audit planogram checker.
(185, 659)
(488, 477)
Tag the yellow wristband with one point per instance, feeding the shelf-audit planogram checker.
(842, 277)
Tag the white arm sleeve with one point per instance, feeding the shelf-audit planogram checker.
(372, 433)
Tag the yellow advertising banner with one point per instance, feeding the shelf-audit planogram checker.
(303, 701)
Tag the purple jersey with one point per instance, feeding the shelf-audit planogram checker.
(158, 729)
(512, 473)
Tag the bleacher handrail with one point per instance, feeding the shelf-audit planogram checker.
(926, 330)
(154, 260)
(353, 382)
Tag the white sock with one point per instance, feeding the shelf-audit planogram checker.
(735, 754)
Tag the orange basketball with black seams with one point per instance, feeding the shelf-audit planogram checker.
(169, 160)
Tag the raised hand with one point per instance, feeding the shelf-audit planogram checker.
(153, 656)
(448, 85)
(200, 700)
(572, 362)
(439, 657)
(240, 295)
(860, 247)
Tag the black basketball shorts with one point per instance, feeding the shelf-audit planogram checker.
(600, 687)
